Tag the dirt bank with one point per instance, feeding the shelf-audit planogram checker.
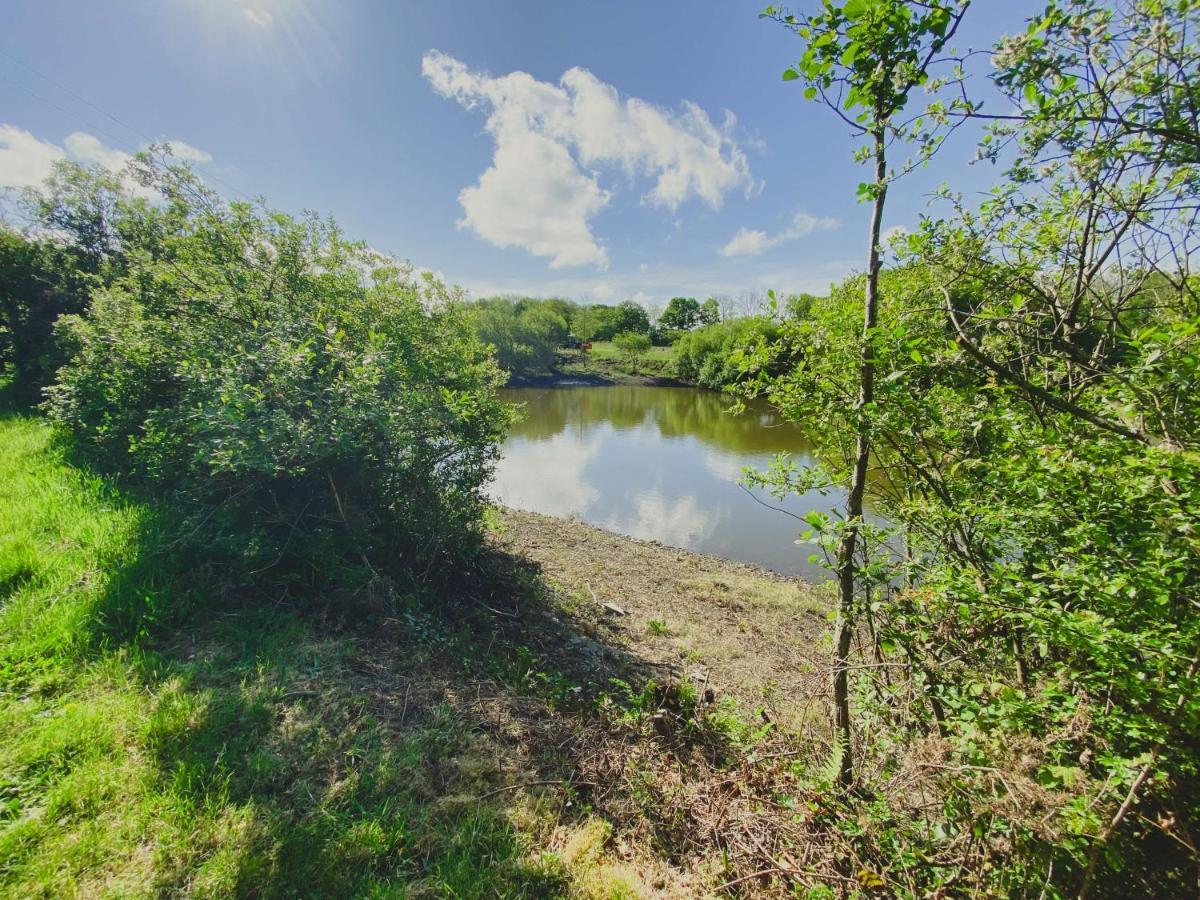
(738, 629)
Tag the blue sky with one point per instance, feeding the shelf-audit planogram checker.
(649, 150)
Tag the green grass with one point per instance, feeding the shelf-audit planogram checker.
(659, 360)
(160, 738)
(606, 360)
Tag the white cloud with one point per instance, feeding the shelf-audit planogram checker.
(748, 242)
(90, 150)
(753, 241)
(25, 161)
(188, 153)
(541, 190)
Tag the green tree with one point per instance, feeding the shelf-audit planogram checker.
(714, 356)
(630, 317)
(864, 58)
(1034, 432)
(681, 314)
(40, 280)
(710, 312)
(633, 345)
(525, 333)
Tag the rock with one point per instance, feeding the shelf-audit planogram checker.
(614, 609)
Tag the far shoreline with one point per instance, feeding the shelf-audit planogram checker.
(595, 379)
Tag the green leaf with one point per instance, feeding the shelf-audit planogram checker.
(790, 74)
(854, 9)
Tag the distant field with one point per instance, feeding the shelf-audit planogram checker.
(657, 358)
(605, 359)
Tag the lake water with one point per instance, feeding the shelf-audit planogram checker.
(659, 463)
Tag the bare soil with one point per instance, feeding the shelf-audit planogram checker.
(733, 628)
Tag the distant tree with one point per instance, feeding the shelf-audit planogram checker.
(713, 356)
(751, 302)
(726, 306)
(630, 317)
(710, 312)
(525, 333)
(798, 306)
(596, 322)
(633, 346)
(681, 314)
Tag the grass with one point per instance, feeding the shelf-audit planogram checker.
(156, 742)
(605, 359)
(164, 733)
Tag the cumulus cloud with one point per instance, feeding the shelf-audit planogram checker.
(542, 189)
(26, 161)
(90, 150)
(753, 241)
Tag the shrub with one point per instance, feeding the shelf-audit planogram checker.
(633, 345)
(712, 356)
(310, 400)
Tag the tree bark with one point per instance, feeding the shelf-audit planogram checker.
(844, 628)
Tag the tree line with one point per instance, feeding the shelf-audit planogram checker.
(528, 332)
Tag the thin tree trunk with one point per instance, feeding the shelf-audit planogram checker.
(843, 630)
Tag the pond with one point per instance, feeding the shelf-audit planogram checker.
(660, 463)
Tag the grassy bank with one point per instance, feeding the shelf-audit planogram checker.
(160, 734)
(606, 362)
(156, 739)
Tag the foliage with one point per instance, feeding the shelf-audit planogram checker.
(713, 356)
(82, 219)
(1034, 438)
(602, 323)
(864, 59)
(314, 403)
(39, 281)
(633, 345)
(526, 334)
(681, 314)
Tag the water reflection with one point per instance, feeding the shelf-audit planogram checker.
(657, 463)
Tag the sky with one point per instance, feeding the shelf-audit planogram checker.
(596, 151)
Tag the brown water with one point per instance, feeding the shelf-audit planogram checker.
(659, 463)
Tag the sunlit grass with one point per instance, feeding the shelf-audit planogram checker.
(151, 743)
